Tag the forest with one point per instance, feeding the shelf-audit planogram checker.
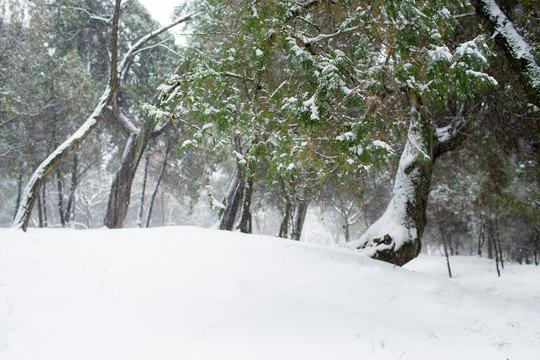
(388, 127)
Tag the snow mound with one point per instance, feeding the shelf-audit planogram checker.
(189, 293)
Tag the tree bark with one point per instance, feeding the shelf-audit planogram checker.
(141, 204)
(154, 194)
(446, 255)
(120, 193)
(443, 237)
(232, 201)
(300, 211)
(40, 211)
(481, 239)
(44, 203)
(60, 193)
(346, 230)
(395, 236)
(494, 244)
(284, 226)
(245, 225)
(69, 213)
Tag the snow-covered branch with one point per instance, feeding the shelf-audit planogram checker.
(162, 127)
(140, 44)
(448, 137)
(92, 16)
(516, 46)
(321, 37)
(125, 122)
(117, 74)
(154, 46)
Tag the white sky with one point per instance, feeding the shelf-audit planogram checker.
(161, 10)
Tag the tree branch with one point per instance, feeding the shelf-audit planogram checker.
(139, 44)
(514, 44)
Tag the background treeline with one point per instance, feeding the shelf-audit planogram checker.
(289, 118)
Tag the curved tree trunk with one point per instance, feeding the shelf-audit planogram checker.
(395, 236)
(30, 192)
(120, 193)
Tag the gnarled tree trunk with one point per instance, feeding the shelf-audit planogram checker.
(120, 193)
(395, 236)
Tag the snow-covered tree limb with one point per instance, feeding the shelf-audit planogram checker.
(117, 74)
(24, 210)
(448, 137)
(514, 44)
(125, 123)
(122, 70)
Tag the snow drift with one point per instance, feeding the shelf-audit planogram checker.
(188, 293)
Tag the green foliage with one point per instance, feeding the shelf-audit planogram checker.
(318, 90)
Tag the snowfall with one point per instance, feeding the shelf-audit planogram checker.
(191, 293)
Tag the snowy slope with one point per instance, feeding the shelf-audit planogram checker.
(188, 293)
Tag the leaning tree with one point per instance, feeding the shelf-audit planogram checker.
(117, 73)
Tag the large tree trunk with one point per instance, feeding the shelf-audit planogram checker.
(120, 193)
(395, 236)
(138, 140)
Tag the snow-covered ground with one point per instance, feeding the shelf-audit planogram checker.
(189, 293)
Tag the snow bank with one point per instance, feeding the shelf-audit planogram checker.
(188, 293)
